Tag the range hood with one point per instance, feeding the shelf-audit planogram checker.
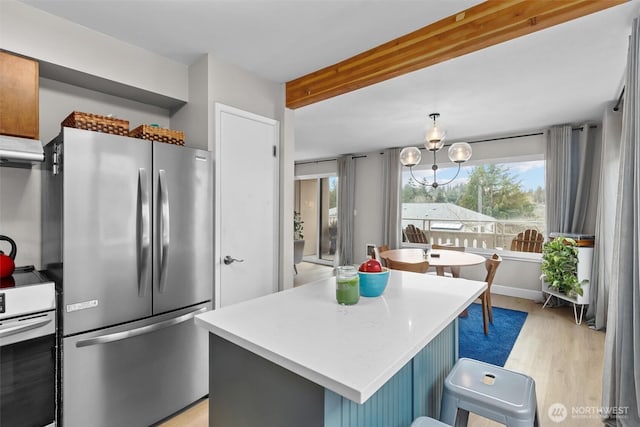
(20, 152)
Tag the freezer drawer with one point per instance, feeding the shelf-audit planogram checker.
(135, 374)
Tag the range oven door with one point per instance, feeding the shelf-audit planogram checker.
(27, 370)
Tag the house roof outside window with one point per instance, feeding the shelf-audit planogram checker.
(444, 216)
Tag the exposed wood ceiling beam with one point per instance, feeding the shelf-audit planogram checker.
(476, 28)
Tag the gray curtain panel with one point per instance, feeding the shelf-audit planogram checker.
(621, 374)
(392, 179)
(601, 271)
(346, 194)
(558, 153)
(583, 144)
(568, 178)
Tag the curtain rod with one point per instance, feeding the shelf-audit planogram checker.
(469, 142)
(315, 161)
(617, 107)
(582, 127)
(497, 139)
(513, 136)
(523, 135)
(506, 137)
(327, 160)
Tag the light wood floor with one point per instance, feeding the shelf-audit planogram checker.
(309, 272)
(563, 358)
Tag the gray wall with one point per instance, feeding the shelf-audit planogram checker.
(20, 213)
(87, 53)
(368, 205)
(515, 277)
(238, 88)
(58, 99)
(194, 118)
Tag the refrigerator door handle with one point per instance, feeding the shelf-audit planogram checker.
(164, 229)
(145, 238)
(143, 330)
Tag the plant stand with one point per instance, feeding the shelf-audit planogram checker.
(298, 253)
(574, 301)
(585, 256)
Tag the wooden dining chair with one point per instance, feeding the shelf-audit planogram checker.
(528, 241)
(416, 267)
(491, 265)
(455, 271)
(382, 248)
(414, 234)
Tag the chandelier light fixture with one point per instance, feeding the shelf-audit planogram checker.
(459, 153)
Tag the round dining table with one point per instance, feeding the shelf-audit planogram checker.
(443, 258)
(439, 258)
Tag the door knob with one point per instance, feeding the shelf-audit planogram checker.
(230, 260)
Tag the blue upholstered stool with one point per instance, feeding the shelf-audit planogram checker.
(427, 422)
(490, 391)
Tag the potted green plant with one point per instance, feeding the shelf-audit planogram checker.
(298, 228)
(560, 267)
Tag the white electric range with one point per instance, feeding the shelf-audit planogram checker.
(27, 349)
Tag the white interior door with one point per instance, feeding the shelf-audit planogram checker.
(246, 205)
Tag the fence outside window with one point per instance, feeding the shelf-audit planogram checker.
(471, 233)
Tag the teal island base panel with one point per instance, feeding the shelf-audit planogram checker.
(248, 390)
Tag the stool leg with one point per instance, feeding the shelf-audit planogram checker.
(520, 423)
(449, 409)
(462, 418)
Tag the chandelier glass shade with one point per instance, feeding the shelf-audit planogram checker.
(458, 153)
(434, 140)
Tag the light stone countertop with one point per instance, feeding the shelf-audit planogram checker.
(351, 350)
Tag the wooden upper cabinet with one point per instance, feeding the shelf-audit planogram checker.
(19, 99)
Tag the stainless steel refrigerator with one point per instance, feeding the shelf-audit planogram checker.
(128, 237)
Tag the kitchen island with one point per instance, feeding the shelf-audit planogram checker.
(297, 358)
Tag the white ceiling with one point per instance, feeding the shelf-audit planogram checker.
(564, 74)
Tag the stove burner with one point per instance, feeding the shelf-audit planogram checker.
(10, 282)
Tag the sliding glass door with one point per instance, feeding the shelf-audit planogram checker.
(315, 199)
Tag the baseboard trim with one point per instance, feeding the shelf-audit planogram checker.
(517, 292)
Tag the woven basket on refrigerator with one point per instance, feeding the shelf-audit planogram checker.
(96, 123)
(154, 133)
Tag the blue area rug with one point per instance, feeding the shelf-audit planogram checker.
(495, 347)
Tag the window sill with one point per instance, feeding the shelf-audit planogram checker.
(508, 255)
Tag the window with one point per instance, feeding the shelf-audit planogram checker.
(485, 207)
(316, 201)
